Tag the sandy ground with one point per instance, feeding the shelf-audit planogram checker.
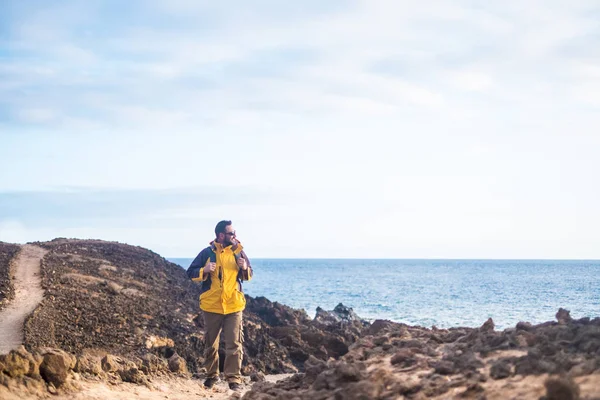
(28, 294)
(517, 387)
(172, 388)
(169, 388)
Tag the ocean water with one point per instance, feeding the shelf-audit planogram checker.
(444, 293)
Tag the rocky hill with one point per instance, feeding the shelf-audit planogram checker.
(105, 298)
(130, 301)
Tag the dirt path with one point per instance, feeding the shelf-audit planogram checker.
(28, 294)
(166, 388)
(171, 388)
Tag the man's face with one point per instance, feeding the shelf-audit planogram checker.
(229, 236)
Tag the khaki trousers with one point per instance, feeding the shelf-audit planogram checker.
(231, 325)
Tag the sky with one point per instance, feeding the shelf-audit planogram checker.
(367, 129)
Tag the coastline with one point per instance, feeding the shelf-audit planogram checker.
(441, 293)
(121, 317)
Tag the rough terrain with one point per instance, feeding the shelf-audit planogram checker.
(130, 301)
(121, 313)
(7, 253)
(119, 321)
(559, 360)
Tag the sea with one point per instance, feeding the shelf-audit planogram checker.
(441, 293)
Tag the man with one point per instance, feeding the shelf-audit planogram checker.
(221, 268)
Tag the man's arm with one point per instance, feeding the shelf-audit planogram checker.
(245, 274)
(196, 269)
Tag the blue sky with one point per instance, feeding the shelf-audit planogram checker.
(408, 129)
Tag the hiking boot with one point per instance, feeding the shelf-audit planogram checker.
(235, 386)
(210, 382)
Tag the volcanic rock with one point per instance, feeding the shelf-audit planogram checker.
(563, 316)
(55, 366)
(19, 363)
(392, 360)
(7, 253)
(177, 364)
(488, 326)
(257, 377)
(88, 364)
(110, 363)
(152, 364)
(501, 369)
(133, 375)
(561, 388)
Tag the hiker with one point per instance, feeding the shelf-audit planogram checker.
(221, 268)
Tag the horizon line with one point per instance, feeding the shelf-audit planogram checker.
(413, 259)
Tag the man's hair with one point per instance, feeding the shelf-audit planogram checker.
(220, 228)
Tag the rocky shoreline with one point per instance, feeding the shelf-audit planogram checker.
(115, 313)
(553, 360)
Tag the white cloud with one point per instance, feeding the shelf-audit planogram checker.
(587, 94)
(472, 80)
(587, 70)
(37, 115)
(346, 43)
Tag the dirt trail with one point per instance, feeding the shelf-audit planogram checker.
(28, 294)
(166, 388)
(171, 388)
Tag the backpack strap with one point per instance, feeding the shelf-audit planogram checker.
(213, 258)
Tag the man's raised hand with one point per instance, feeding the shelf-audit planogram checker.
(210, 267)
